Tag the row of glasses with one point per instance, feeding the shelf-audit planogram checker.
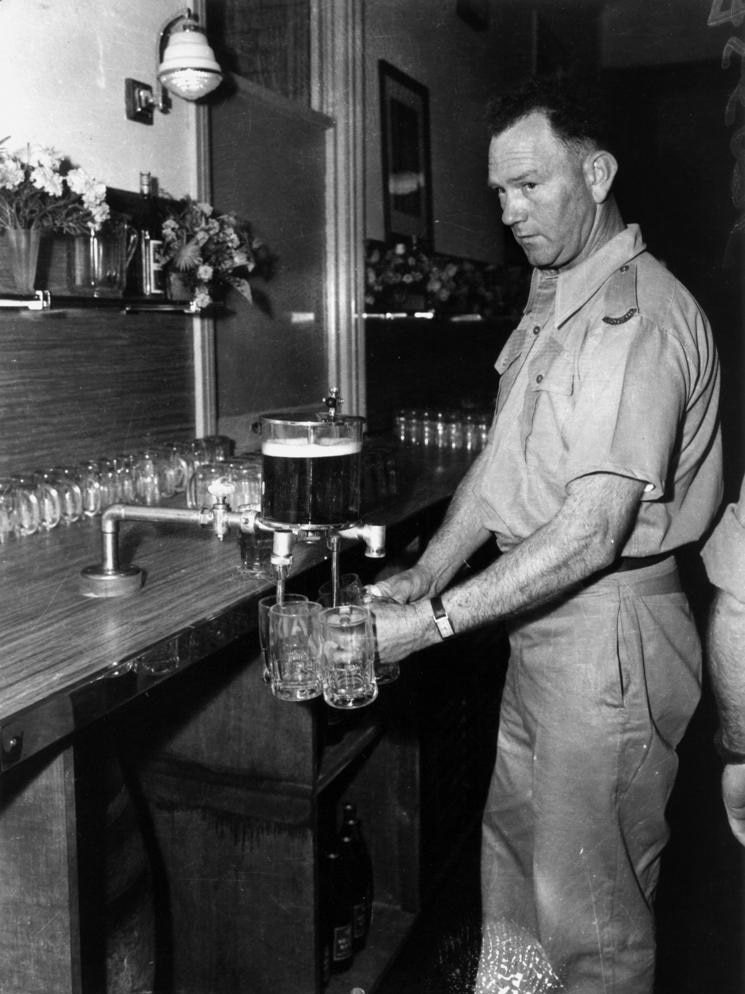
(63, 494)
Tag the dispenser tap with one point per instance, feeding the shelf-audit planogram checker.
(372, 535)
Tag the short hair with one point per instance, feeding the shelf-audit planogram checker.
(576, 110)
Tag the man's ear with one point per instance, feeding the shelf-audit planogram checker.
(600, 168)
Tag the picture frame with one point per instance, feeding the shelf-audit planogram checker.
(405, 146)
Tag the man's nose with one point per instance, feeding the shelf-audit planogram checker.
(513, 209)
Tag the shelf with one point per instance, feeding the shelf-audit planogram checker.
(388, 931)
(43, 300)
(337, 757)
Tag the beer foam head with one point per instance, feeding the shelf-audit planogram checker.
(302, 448)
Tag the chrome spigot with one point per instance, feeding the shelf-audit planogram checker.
(372, 535)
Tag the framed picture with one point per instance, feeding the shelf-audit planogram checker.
(407, 178)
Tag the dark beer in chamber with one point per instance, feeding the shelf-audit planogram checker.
(311, 482)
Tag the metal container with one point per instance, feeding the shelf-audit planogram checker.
(311, 470)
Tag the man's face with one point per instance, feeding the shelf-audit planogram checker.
(545, 198)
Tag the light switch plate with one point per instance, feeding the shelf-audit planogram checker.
(138, 100)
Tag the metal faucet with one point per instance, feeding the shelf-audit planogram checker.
(110, 579)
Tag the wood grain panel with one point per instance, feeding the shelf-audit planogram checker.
(82, 384)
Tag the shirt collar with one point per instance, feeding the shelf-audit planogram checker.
(575, 286)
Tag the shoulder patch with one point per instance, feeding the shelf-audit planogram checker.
(623, 319)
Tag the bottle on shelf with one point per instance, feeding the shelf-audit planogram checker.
(358, 867)
(336, 918)
(148, 270)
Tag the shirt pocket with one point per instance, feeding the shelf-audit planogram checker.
(549, 399)
(508, 365)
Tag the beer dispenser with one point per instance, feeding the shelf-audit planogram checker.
(311, 485)
(312, 469)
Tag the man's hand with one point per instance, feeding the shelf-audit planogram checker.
(401, 629)
(733, 793)
(405, 587)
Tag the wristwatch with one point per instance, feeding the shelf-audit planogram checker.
(726, 755)
(440, 617)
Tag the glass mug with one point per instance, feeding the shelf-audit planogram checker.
(265, 605)
(97, 263)
(348, 664)
(7, 511)
(50, 501)
(197, 492)
(349, 592)
(26, 513)
(295, 650)
(71, 496)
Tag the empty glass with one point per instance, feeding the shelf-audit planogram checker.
(350, 591)
(198, 494)
(26, 513)
(147, 477)
(295, 650)
(348, 665)
(86, 476)
(48, 496)
(265, 604)
(7, 511)
(71, 496)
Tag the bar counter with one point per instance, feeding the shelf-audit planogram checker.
(149, 710)
(67, 658)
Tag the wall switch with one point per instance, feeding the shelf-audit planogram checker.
(138, 100)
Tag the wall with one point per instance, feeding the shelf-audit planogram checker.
(461, 67)
(64, 62)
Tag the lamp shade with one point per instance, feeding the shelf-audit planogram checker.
(189, 68)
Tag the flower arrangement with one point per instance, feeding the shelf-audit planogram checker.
(41, 189)
(207, 250)
(404, 273)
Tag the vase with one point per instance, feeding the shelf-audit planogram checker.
(97, 263)
(177, 287)
(23, 248)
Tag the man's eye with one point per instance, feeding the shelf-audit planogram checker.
(529, 186)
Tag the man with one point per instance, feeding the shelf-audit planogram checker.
(603, 458)
(724, 558)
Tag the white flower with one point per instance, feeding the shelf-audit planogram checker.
(47, 179)
(11, 174)
(204, 273)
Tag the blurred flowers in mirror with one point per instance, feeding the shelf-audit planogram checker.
(210, 251)
(404, 276)
(41, 189)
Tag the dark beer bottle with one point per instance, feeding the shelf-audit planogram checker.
(149, 270)
(336, 917)
(358, 866)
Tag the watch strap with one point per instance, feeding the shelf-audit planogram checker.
(440, 617)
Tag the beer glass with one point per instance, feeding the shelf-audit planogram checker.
(86, 476)
(7, 511)
(147, 477)
(197, 493)
(295, 650)
(384, 672)
(71, 496)
(348, 665)
(50, 504)
(265, 604)
(350, 591)
(27, 515)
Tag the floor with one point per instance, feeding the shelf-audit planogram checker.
(700, 902)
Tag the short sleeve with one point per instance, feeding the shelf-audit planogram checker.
(724, 552)
(632, 388)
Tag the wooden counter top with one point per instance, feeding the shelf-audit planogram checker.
(67, 659)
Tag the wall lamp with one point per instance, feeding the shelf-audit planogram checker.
(186, 66)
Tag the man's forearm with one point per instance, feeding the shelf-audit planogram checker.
(726, 645)
(584, 537)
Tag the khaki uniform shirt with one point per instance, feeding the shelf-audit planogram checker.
(612, 369)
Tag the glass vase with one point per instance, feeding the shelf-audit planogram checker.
(23, 248)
